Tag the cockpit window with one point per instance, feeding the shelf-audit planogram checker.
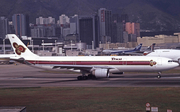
(170, 60)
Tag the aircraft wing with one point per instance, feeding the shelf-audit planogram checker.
(81, 66)
(86, 68)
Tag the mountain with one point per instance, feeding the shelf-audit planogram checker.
(155, 15)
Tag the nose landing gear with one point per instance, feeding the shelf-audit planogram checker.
(159, 75)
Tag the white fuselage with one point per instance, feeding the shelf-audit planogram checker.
(117, 63)
(168, 53)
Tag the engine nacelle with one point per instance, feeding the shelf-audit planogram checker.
(101, 73)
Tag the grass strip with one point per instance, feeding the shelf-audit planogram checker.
(81, 99)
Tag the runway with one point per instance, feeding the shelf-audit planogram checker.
(25, 76)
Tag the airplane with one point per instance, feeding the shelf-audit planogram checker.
(95, 66)
(136, 49)
(173, 54)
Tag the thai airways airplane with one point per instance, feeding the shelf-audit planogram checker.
(95, 66)
(136, 49)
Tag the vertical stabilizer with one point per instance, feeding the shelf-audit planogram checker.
(138, 48)
(19, 47)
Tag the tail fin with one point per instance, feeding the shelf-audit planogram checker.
(19, 48)
(151, 47)
(138, 48)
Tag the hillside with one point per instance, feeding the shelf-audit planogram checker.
(156, 15)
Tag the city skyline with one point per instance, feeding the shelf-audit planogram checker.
(153, 15)
(89, 29)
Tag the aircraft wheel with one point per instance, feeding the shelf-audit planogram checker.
(90, 76)
(82, 77)
(85, 77)
(159, 76)
(79, 78)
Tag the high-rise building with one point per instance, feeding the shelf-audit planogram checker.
(28, 31)
(87, 30)
(115, 21)
(132, 38)
(45, 21)
(120, 31)
(97, 35)
(11, 28)
(114, 33)
(63, 19)
(50, 20)
(133, 30)
(136, 29)
(19, 22)
(74, 24)
(118, 27)
(39, 31)
(45, 27)
(65, 32)
(125, 37)
(105, 24)
(40, 20)
(4, 27)
(115, 18)
(64, 23)
(129, 27)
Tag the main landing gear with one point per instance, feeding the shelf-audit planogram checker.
(159, 75)
(84, 77)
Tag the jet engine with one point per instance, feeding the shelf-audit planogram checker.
(101, 73)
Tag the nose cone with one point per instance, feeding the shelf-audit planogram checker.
(174, 65)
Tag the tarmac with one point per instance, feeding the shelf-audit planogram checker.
(20, 75)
